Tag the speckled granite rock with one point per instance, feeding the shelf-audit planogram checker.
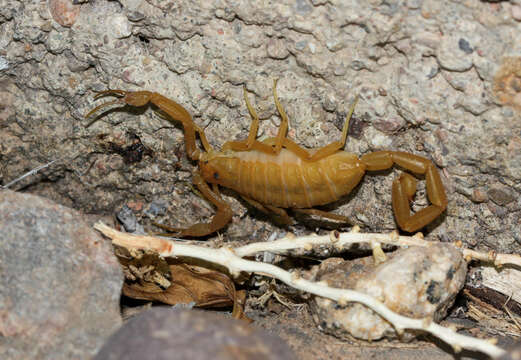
(59, 282)
(416, 282)
(164, 333)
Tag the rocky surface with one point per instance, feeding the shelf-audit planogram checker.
(191, 335)
(436, 78)
(417, 282)
(60, 283)
(299, 330)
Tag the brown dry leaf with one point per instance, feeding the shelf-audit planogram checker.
(190, 283)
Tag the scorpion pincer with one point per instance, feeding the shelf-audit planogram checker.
(277, 174)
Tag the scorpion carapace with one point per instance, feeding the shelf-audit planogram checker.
(277, 174)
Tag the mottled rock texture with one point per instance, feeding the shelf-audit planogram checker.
(436, 78)
(191, 335)
(59, 282)
(418, 282)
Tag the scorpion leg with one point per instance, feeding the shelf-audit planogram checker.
(404, 187)
(168, 107)
(284, 218)
(283, 129)
(250, 143)
(271, 145)
(254, 128)
(335, 145)
(220, 219)
(303, 153)
(325, 215)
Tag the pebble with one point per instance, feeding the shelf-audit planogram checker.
(380, 141)
(64, 12)
(516, 12)
(417, 282)
(501, 195)
(465, 46)
(129, 221)
(120, 26)
(451, 56)
(479, 196)
(276, 49)
(4, 64)
(164, 333)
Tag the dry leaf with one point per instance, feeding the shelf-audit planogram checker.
(190, 283)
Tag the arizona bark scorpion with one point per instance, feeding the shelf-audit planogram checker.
(277, 174)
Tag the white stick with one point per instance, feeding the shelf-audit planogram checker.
(230, 259)
(341, 240)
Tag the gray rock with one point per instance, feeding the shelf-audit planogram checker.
(164, 333)
(417, 282)
(59, 282)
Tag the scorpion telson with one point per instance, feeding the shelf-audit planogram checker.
(277, 174)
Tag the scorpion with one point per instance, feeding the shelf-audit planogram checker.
(277, 174)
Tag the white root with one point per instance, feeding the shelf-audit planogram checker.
(233, 260)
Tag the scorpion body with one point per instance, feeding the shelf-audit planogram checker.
(285, 180)
(277, 174)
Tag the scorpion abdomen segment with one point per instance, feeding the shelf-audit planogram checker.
(285, 180)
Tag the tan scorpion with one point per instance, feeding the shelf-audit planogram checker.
(277, 174)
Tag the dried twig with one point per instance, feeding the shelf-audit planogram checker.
(232, 259)
(29, 173)
(33, 171)
(514, 318)
(341, 240)
(493, 257)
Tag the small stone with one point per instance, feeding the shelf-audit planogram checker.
(340, 70)
(479, 196)
(381, 141)
(501, 195)
(56, 42)
(276, 49)
(417, 282)
(465, 46)
(129, 221)
(329, 103)
(516, 12)
(451, 56)
(164, 333)
(4, 64)
(120, 26)
(156, 208)
(388, 125)
(64, 12)
(135, 16)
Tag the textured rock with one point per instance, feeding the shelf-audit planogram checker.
(417, 282)
(425, 72)
(165, 333)
(60, 283)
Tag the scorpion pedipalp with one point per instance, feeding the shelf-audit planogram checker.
(109, 92)
(108, 103)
